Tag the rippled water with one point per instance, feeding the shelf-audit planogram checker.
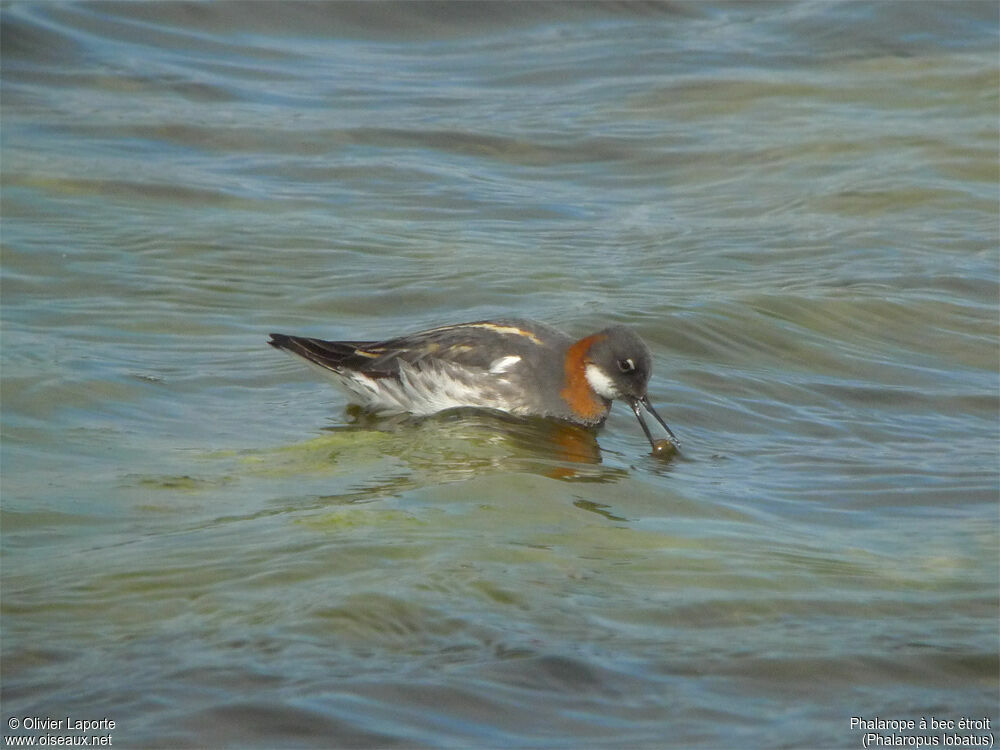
(794, 204)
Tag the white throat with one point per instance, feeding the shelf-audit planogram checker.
(603, 385)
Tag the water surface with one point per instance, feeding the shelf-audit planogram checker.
(794, 204)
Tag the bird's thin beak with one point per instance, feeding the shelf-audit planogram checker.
(642, 404)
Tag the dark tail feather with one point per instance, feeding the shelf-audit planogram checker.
(329, 354)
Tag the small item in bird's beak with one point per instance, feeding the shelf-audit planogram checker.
(664, 448)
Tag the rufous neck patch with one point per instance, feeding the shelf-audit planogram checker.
(577, 393)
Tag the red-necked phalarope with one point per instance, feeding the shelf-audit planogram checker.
(513, 365)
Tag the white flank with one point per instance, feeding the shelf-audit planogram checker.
(601, 383)
(420, 390)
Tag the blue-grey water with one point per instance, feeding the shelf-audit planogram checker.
(796, 206)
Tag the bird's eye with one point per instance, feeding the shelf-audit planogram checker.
(626, 365)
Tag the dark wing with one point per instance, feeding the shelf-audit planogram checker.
(381, 359)
(472, 345)
(475, 346)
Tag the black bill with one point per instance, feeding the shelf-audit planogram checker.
(642, 404)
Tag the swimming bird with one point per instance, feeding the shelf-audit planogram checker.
(513, 365)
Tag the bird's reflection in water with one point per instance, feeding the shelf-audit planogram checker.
(471, 441)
